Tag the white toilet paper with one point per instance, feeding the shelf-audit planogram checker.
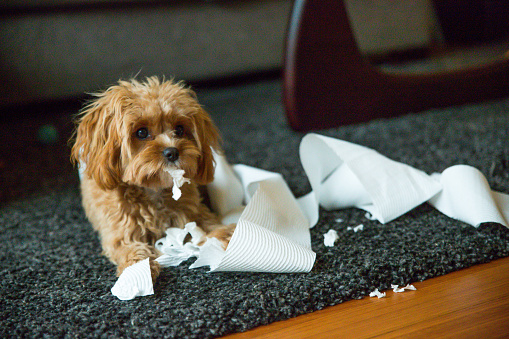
(272, 233)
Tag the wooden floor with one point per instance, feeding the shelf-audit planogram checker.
(471, 303)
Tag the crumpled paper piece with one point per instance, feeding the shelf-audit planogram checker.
(272, 233)
(175, 251)
(330, 238)
(173, 245)
(135, 281)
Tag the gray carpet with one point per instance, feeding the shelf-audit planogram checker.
(55, 283)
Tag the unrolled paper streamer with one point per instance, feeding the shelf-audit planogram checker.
(272, 234)
(272, 230)
(343, 174)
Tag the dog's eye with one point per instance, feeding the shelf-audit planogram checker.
(179, 130)
(142, 133)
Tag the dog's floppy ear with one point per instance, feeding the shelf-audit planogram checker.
(208, 139)
(97, 139)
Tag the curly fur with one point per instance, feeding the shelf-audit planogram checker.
(126, 186)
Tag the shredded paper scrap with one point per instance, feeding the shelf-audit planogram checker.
(395, 289)
(330, 238)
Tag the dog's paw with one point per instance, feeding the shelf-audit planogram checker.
(155, 269)
(222, 233)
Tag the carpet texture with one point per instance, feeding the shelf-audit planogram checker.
(55, 282)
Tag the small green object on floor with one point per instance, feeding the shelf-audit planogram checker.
(47, 134)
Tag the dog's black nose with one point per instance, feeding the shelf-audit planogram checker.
(171, 153)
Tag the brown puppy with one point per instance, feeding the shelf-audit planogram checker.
(129, 141)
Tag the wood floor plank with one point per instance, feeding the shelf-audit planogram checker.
(470, 303)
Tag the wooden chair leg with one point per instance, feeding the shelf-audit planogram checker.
(327, 82)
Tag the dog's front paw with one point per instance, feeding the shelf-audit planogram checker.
(223, 233)
(155, 269)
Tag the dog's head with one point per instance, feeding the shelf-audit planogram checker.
(136, 132)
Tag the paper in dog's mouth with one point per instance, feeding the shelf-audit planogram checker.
(178, 181)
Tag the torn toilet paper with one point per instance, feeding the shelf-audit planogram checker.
(173, 245)
(343, 174)
(466, 196)
(272, 233)
(178, 181)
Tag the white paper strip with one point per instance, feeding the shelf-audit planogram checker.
(272, 235)
(343, 174)
(227, 191)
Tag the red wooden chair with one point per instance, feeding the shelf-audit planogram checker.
(327, 82)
